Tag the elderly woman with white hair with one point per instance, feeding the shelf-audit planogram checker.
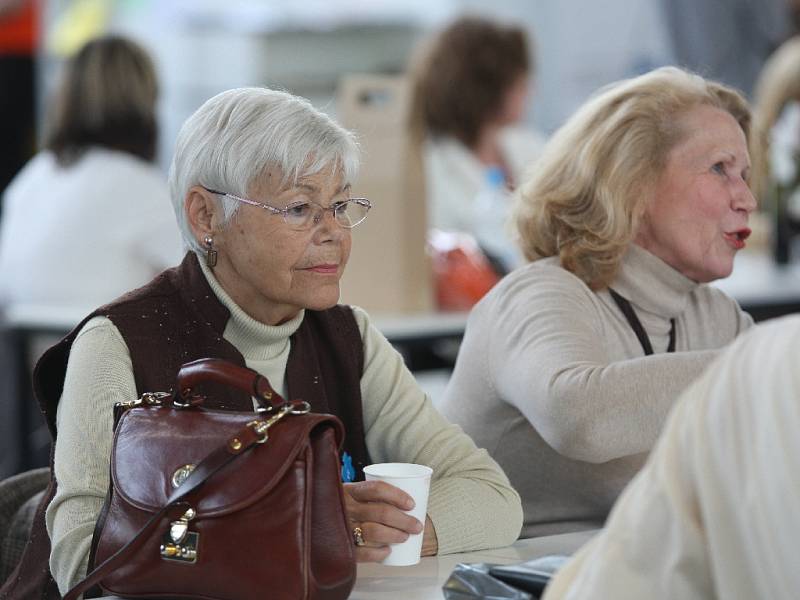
(571, 364)
(261, 183)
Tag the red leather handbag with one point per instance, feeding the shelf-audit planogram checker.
(223, 505)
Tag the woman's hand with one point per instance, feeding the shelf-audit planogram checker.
(377, 508)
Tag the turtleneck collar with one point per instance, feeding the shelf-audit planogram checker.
(254, 339)
(652, 285)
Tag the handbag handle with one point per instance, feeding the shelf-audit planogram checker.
(175, 505)
(221, 371)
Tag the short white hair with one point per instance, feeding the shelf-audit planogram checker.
(232, 138)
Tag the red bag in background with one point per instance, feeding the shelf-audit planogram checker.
(462, 273)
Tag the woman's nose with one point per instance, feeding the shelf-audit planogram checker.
(743, 198)
(326, 227)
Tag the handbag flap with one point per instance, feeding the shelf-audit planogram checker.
(153, 444)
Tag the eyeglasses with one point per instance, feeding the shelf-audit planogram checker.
(304, 214)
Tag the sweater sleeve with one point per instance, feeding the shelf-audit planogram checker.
(99, 374)
(548, 357)
(471, 503)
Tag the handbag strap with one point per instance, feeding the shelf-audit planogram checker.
(176, 505)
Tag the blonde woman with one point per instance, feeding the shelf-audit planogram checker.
(570, 365)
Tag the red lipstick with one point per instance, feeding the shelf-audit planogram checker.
(736, 239)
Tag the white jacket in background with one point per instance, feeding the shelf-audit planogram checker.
(454, 178)
(85, 234)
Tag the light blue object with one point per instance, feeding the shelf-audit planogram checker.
(348, 472)
(495, 177)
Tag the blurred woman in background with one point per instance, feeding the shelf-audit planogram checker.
(470, 92)
(775, 145)
(570, 365)
(89, 217)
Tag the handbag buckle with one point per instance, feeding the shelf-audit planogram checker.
(179, 543)
(147, 399)
(261, 428)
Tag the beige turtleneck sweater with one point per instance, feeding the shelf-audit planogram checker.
(471, 503)
(553, 382)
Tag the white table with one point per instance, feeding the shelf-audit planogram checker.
(424, 581)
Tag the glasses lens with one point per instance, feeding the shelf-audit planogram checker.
(299, 215)
(351, 213)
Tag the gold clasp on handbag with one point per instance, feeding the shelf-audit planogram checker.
(261, 428)
(147, 399)
(179, 543)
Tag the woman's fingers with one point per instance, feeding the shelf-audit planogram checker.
(380, 503)
(380, 491)
(376, 534)
(376, 539)
(376, 508)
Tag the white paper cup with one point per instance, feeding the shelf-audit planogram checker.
(414, 480)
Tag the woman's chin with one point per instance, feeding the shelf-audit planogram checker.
(323, 301)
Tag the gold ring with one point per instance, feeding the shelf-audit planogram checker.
(358, 536)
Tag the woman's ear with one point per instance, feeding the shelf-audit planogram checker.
(201, 212)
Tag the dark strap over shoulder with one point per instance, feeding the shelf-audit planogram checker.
(636, 324)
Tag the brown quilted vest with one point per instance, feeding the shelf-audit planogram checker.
(174, 319)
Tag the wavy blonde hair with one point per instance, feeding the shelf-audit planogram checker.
(583, 198)
(778, 84)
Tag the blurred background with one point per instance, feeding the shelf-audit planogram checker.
(204, 46)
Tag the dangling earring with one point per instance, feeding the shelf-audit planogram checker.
(211, 254)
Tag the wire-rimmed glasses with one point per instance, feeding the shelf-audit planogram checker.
(304, 214)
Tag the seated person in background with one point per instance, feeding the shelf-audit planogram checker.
(713, 514)
(260, 182)
(470, 90)
(570, 365)
(89, 217)
(775, 144)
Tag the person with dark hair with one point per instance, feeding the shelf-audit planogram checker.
(470, 89)
(89, 217)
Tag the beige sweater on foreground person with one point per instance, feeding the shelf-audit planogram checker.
(471, 502)
(553, 382)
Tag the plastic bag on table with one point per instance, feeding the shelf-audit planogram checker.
(522, 581)
(473, 582)
(461, 271)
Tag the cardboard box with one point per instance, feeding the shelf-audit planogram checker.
(389, 270)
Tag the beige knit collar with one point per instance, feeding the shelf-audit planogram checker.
(254, 339)
(652, 285)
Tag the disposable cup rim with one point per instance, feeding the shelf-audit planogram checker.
(427, 471)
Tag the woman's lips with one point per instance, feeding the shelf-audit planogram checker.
(327, 269)
(736, 239)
